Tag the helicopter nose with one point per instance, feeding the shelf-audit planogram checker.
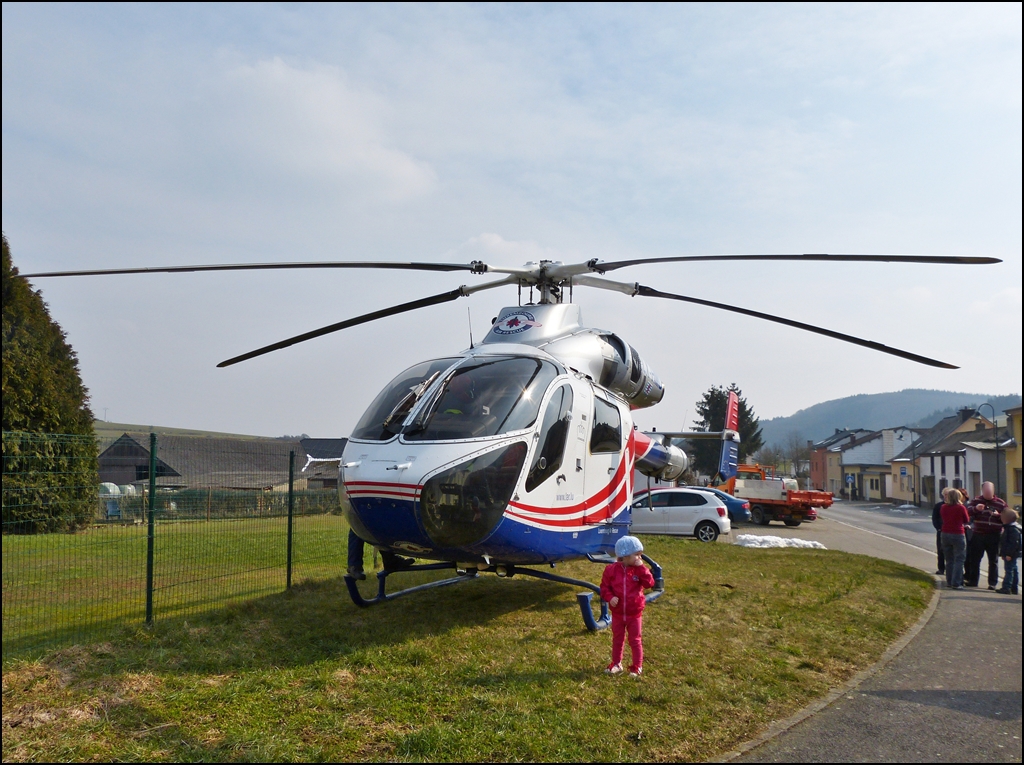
(464, 504)
(383, 512)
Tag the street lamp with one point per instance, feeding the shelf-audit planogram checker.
(995, 431)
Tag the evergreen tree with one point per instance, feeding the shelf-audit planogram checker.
(711, 412)
(49, 451)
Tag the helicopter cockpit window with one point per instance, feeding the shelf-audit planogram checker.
(606, 435)
(485, 397)
(553, 432)
(384, 418)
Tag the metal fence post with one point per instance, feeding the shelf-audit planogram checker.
(151, 533)
(291, 513)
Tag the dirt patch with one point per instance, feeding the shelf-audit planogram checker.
(133, 684)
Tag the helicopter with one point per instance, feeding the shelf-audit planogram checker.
(519, 452)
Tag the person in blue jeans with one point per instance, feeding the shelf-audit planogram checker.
(954, 540)
(1009, 551)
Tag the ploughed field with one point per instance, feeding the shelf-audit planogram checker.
(487, 670)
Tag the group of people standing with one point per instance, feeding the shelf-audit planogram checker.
(985, 527)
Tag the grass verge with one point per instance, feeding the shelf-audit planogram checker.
(487, 670)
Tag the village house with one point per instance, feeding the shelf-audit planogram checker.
(867, 473)
(915, 476)
(826, 473)
(1012, 457)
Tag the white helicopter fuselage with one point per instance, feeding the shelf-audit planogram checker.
(520, 450)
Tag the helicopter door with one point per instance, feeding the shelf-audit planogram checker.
(605, 453)
(552, 479)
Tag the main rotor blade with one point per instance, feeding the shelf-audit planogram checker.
(949, 259)
(444, 297)
(384, 264)
(649, 292)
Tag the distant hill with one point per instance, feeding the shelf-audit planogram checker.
(920, 408)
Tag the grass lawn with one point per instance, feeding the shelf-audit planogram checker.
(60, 589)
(491, 669)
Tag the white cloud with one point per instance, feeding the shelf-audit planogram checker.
(496, 250)
(307, 122)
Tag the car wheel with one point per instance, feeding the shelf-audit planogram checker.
(759, 516)
(791, 522)
(706, 531)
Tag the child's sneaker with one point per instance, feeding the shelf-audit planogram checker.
(613, 669)
(636, 671)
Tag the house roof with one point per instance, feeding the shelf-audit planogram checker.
(861, 440)
(836, 437)
(936, 435)
(220, 463)
(957, 441)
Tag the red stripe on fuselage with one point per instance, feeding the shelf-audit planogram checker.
(612, 504)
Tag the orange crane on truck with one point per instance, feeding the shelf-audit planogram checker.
(772, 498)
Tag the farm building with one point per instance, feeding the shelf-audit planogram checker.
(202, 462)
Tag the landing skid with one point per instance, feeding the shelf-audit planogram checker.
(584, 598)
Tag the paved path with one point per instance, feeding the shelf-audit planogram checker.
(953, 694)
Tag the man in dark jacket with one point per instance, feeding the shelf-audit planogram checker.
(988, 525)
(937, 523)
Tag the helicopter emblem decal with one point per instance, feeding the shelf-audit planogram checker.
(514, 323)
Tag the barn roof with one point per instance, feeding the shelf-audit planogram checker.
(210, 462)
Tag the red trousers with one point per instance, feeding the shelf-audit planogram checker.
(634, 626)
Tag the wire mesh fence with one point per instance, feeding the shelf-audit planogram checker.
(99, 536)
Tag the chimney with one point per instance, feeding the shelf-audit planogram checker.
(967, 413)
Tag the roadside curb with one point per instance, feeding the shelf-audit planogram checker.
(781, 726)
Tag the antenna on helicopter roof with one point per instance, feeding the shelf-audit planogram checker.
(469, 315)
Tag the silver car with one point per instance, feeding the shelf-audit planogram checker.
(685, 512)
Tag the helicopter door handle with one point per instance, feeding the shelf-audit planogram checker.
(579, 466)
(402, 466)
(611, 470)
(560, 478)
(352, 464)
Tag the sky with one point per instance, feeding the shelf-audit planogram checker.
(140, 135)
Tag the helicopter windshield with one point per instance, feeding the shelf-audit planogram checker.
(385, 416)
(485, 397)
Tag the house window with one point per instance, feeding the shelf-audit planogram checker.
(931, 464)
(1016, 480)
(943, 464)
(956, 465)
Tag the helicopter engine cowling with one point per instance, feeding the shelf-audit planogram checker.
(625, 373)
(658, 458)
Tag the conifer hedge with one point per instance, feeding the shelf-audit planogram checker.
(50, 471)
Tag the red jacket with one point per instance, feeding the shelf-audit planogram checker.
(627, 583)
(954, 518)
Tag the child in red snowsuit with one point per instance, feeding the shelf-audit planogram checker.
(622, 587)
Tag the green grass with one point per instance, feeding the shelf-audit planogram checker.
(490, 669)
(66, 588)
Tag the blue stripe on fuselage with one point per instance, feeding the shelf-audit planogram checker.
(393, 521)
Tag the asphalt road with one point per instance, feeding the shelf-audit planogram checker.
(952, 695)
(914, 527)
